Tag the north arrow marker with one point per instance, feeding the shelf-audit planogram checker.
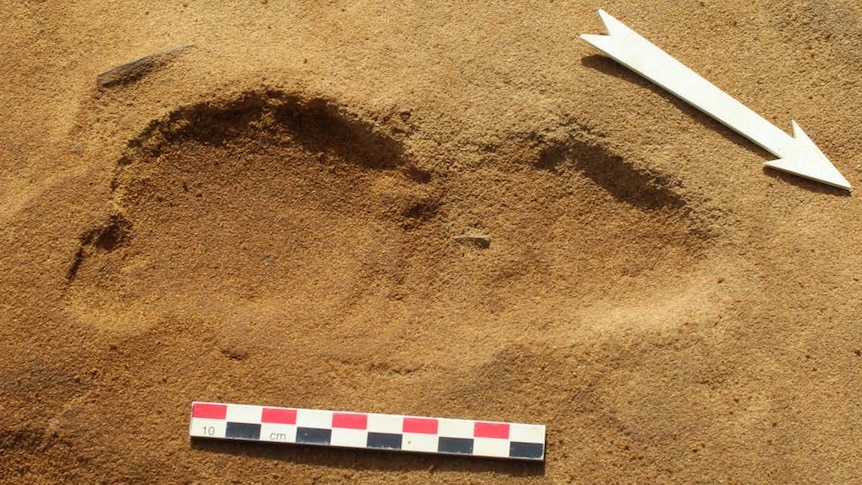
(796, 154)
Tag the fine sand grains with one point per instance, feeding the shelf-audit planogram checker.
(434, 209)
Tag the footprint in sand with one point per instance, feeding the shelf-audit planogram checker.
(289, 218)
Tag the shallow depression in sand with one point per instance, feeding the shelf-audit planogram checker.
(286, 217)
(261, 196)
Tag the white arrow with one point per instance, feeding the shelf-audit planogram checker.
(796, 154)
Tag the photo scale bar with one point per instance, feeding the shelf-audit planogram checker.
(368, 431)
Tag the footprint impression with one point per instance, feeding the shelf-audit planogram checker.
(288, 218)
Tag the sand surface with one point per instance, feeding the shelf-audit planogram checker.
(266, 209)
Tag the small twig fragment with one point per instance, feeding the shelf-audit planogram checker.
(132, 71)
(481, 242)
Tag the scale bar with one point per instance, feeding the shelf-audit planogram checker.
(368, 431)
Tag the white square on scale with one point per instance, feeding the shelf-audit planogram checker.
(351, 438)
(241, 413)
(527, 433)
(491, 447)
(455, 428)
(419, 442)
(385, 423)
(279, 433)
(313, 418)
(207, 428)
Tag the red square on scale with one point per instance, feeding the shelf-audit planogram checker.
(491, 430)
(420, 425)
(350, 420)
(278, 415)
(210, 411)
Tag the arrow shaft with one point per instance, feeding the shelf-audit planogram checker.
(796, 154)
(651, 62)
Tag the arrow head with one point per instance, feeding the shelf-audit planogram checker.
(615, 28)
(802, 157)
(798, 154)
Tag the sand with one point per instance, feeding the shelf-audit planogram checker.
(279, 203)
